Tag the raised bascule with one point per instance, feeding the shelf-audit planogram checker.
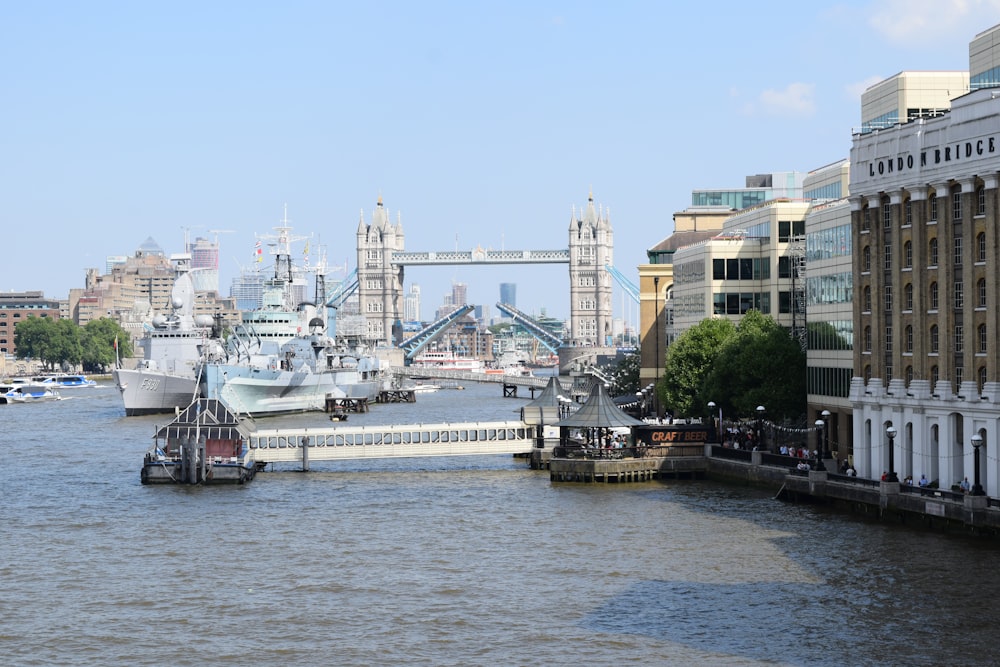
(382, 257)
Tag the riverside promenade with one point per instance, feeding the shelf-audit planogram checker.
(921, 507)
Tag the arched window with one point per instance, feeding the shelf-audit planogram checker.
(933, 296)
(932, 252)
(981, 247)
(908, 255)
(981, 339)
(867, 299)
(866, 259)
(981, 293)
(934, 339)
(908, 296)
(868, 339)
(908, 339)
(980, 200)
(932, 204)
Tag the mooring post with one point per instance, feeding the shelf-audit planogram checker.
(305, 454)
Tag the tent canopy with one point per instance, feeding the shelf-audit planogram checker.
(599, 411)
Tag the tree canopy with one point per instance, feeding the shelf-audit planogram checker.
(756, 362)
(58, 343)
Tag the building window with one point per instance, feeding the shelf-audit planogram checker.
(718, 269)
(909, 375)
(935, 376)
(934, 296)
(908, 212)
(956, 204)
(784, 267)
(868, 373)
(981, 336)
(908, 340)
(887, 292)
(887, 255)
(959, 377)
(980, 200)
(982, 378)
(981, 293)
(867, 299)
(908, 254)
(934, 339)
(868, 339)
(886, 214)
(932, 202)
(959, 338)
(908, 296)
(932, 252)
(888, 341)
(866, 219)
(959, 295)
(866, 259)
(981, 247)
(958, 251)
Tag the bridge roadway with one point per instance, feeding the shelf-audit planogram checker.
(470, 376)
(402, 441)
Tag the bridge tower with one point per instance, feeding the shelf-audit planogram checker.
(380, 283)
(591, 247)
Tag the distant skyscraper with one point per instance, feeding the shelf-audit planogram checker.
(459, 294)
(411, 304)
(508, 294)
(204, 264)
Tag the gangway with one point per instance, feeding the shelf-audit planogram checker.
(292, 445)
(544, 336)
(412, 345)
(627, 285)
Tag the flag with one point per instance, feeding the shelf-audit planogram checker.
(259, 251)
(116, 343)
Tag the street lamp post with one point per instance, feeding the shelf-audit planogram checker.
(890, 433)
(977, 488)
(641, 400)
(820, 425)
(760, 427)
(656, 319)
(826, 434)
(718, 432)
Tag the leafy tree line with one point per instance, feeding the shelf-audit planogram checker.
(63, 342)
(738, 366)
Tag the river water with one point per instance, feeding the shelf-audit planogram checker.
(460, 561)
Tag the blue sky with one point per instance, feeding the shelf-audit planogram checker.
(480, 123)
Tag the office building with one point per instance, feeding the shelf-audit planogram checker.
(925, 207)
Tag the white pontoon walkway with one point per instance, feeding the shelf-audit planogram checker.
(408, 440)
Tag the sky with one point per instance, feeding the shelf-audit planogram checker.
(480, 124)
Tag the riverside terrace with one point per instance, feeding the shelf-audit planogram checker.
(916, 506)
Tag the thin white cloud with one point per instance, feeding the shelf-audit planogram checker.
(797, 99)
(910, 21)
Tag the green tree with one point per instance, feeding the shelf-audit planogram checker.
(625, 375)
(689, 358)
(760, 365)
(35, 338)
(99, 339)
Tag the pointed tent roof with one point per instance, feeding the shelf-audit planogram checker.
(599, 411)
(210, 418)
(545, 408)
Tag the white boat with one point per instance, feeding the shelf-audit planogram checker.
(447, 361)
(166, 378)
(64, 381)
(298, 376)
(22, 391)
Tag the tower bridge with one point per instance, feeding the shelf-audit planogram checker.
(382, 258)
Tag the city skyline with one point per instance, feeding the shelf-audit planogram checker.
(479, 127)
